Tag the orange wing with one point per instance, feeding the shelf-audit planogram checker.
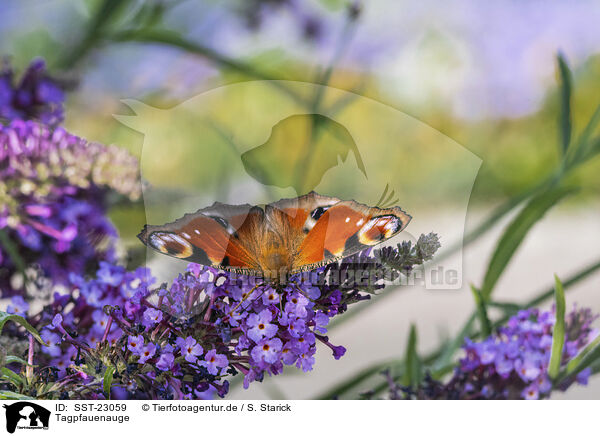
(346, 228)
(213, 236)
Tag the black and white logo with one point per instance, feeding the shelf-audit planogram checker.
(26, 415)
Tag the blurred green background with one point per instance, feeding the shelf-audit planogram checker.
(481, 76)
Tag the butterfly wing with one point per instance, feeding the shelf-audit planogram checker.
(313, 229)
(214, 236)
(345, 228)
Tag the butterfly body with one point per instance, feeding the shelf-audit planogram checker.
(287, 236)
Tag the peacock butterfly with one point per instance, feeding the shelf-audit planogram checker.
(285, 237)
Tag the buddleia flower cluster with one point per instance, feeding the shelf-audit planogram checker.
(186, 339)
(35, 96)
(54, 189)
(513, 362)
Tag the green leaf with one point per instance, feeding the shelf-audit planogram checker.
(507, 308)
(5, 317)
(15, 359)
(579, 152)
(575, 362)
(592, 150)
(355, 381)
(516, 232)
(450, 349)
(12, 251)
(484, 320)
(584, 358)
(10, 395)
(565, 121)
(107, 382)
(412, 370)
(11, 376)
(558, 335)
(95, 27)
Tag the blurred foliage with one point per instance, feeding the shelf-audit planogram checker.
(521, 159)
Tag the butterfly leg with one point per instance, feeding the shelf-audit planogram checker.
(299, 289)
(245, 297)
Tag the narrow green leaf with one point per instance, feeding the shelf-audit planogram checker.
(592, 150)
(565, 121)
(558, 335)
(11, 376)
(516, 232)
(584, 358)
(107, 382)
(412, 370)
(590, 359)
(11, 249)
(354, 382)
(15, 359)
(5, 317)
(507, 308)
(450, 349)
(9, 395)
(484, 320)
(579, 152)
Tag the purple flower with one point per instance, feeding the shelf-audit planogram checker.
(165, 361)
(147, 352)
(189, 348)
(270, 296)
(109, 274)
(321, 320)
(338, 351)
(53, 341)
(306, 361)
(100, 319)
(135, 344)
(529, 367)
(18, 306)
(583, 376)
(260, 325)
(151, 317)
(213, 361)
(530, 392)
(267, 350)
(259, 338)
(54, 193)
(513, 362)
(57, 321)
(36, 96)
(288, 355)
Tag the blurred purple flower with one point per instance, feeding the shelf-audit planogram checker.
(36, 96)
(53, 197)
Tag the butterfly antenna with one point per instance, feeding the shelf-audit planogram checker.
(382, 197)
(299, 289)
(387, 200)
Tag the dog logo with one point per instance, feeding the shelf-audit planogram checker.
(26, 415)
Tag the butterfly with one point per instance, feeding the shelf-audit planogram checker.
(284, 237)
